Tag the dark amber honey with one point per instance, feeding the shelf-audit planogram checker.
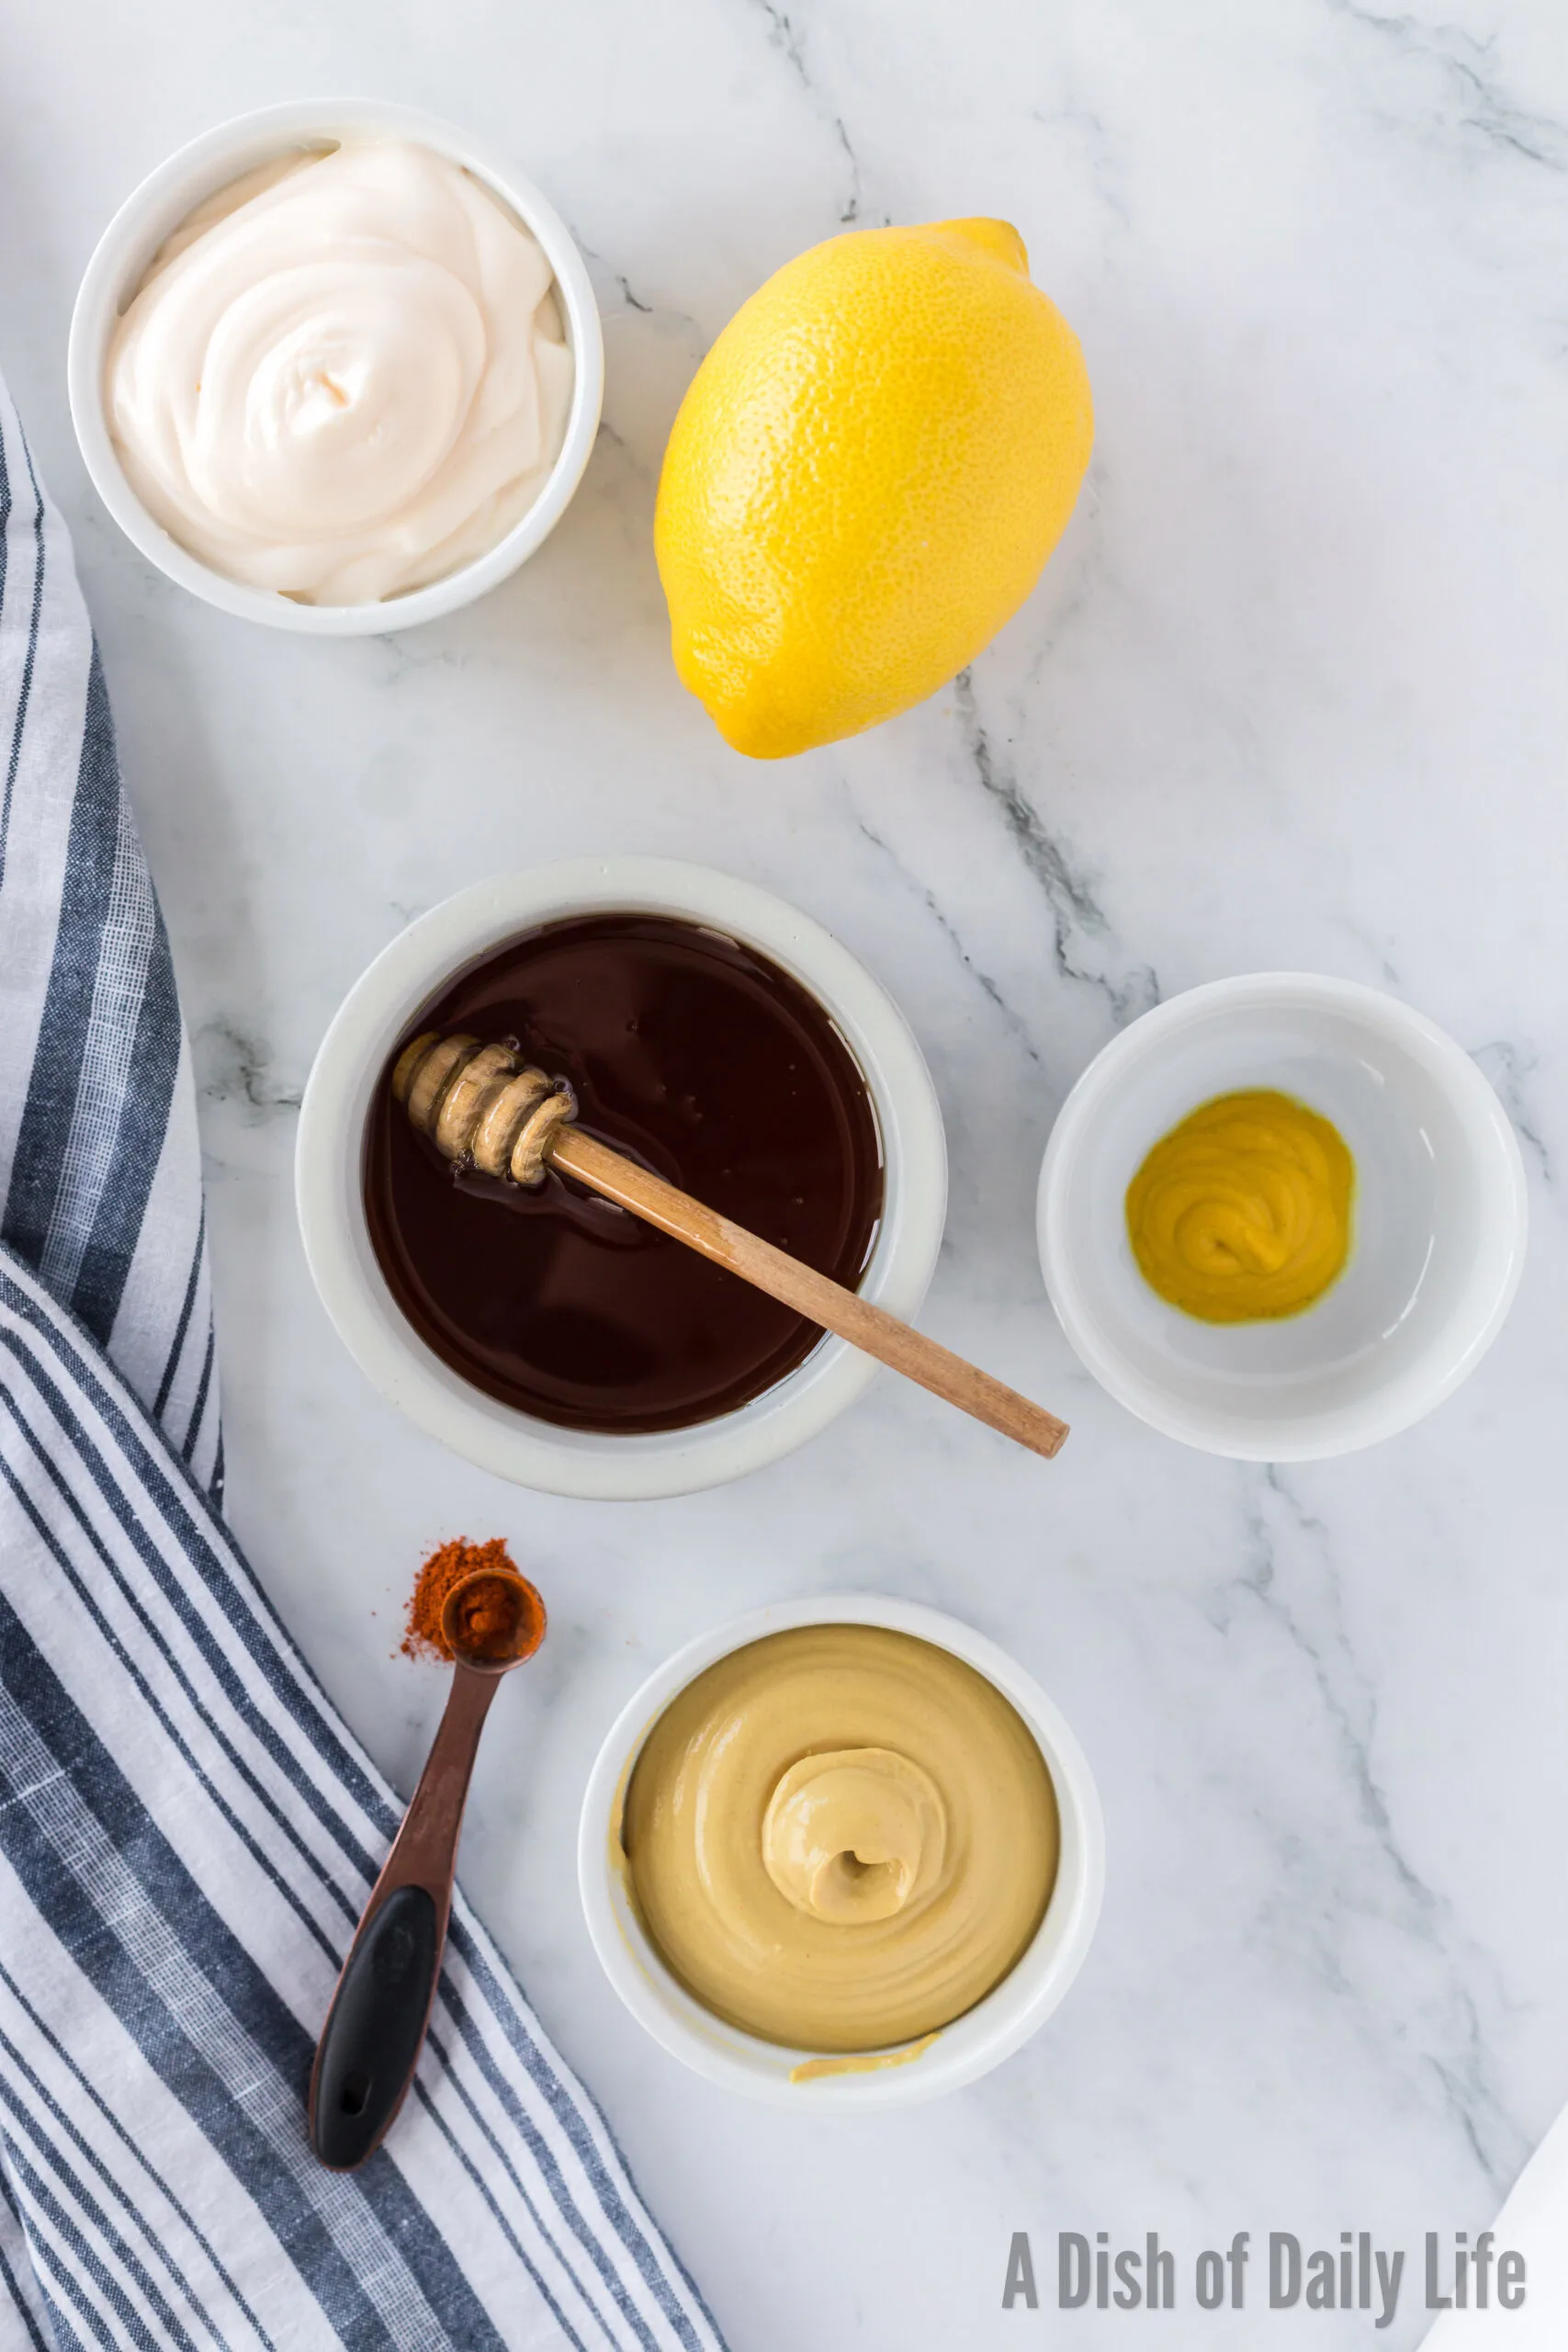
(694, 1055)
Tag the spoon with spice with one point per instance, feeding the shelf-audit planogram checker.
(489, 1621)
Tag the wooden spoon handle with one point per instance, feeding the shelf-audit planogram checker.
(868, 1328)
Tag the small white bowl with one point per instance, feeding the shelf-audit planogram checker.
(974, 2042)
(329, 1158)
(1437, 1242)
(155, 208)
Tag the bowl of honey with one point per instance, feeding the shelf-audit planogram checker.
(709, 1032)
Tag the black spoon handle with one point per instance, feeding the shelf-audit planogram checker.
(375, 2028)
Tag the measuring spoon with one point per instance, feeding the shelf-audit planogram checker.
(375, 2028)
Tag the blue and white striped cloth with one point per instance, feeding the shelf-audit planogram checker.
(188, 1833)
(100, 1176)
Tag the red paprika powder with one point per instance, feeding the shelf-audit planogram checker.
(492, 1619)
(447, 1566)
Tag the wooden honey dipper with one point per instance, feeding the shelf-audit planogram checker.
(482, 1103)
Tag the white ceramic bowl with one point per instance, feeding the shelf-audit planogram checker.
(1439, 1237)
(353, 1058)
(974, 2042)
(162, 201)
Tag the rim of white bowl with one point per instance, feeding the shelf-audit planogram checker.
(536, 1453)
(973, 2044)
(165, 198)
(1407, 1398)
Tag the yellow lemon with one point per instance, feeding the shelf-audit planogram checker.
(865, 478)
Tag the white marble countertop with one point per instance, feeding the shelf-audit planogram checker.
(1293, 693)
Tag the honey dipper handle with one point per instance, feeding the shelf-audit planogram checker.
(868, 1328)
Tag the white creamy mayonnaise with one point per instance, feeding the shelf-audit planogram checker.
(343, 376)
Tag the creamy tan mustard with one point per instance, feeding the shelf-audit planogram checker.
(839, 1837)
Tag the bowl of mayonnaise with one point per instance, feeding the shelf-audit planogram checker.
(335, 368)
(842, 1852)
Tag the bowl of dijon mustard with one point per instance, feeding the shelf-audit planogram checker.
(842, 1852)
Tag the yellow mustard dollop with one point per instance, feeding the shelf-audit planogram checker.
(1242, 1214)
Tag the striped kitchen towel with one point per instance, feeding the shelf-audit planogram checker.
(100, 1178)
(188, 1833)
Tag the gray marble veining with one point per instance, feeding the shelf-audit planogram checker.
(1290, 693)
